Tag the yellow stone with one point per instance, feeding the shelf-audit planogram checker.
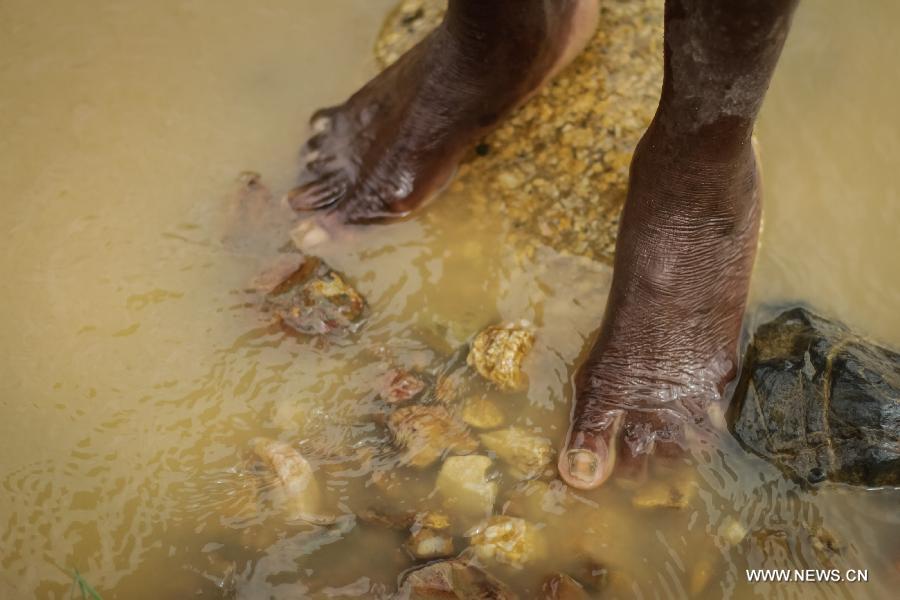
(481, 413)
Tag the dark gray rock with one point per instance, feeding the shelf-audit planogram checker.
(820, 402)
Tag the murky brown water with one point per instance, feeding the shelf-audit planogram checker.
(134, 375)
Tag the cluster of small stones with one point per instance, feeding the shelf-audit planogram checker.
(556, 171)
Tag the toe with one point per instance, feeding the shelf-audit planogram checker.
(322, 119)
(590, 453)
(319, 193)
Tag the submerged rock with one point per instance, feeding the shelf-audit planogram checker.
(732, 531)
(397, 386)
(431, 537)
(563, 587)
(299, 490)
(427, 432)
(526, 454)
(820, 402)
(497, 354)
(482, 413)
(535, 499)
(675, 492)
(428, 544)
(464, 486)
(826, 545)
(508, 540)
(389, 520)
(312, 299)
(452, 579)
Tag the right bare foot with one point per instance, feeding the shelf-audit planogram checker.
(398, 139)
(684, 255)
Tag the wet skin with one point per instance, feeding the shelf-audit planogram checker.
(398, 139)
(668, 341)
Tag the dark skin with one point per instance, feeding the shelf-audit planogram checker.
(668, 341)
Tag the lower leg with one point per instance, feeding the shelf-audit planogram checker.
(668, 342)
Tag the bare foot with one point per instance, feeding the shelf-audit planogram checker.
(668, 343)
(398, 139)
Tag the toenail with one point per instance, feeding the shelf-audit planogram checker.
(320, 124)
(583, 465)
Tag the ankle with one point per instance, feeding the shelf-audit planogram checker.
(501, 37)
(722, 139)
(677, 174)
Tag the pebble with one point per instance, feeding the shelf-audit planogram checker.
(497, 353)
(676, 493)
(482, 413)
(526, 454)
(508, 540)
(428, 544)
(299, 489)
(464, 486)
(427, 432)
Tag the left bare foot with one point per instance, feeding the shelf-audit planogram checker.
(398, 139)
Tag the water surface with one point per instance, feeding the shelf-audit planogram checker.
(134, 374)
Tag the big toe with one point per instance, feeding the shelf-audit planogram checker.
(589, 456)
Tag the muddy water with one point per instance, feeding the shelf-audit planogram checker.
(134, 374)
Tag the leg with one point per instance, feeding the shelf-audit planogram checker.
(399, 138)
(685, 251)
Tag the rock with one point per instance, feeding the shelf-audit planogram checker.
(563, 587)
(536, 499)
(433, 520)
(404, 519)
(732, 531)
(596, 575)
(445, 335)
(389, 520)
(427, 432)
(449, 580)
(508, 540)
(820, 402)
(451, 386)
(428, 544)
(481, 413)
(826, 545)
(674, 492)
(315, 300)
(222, 573)
(464, 486)
(397, 386)
(295, 477)
(527, 455)
(497, 353)
(393, 484)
